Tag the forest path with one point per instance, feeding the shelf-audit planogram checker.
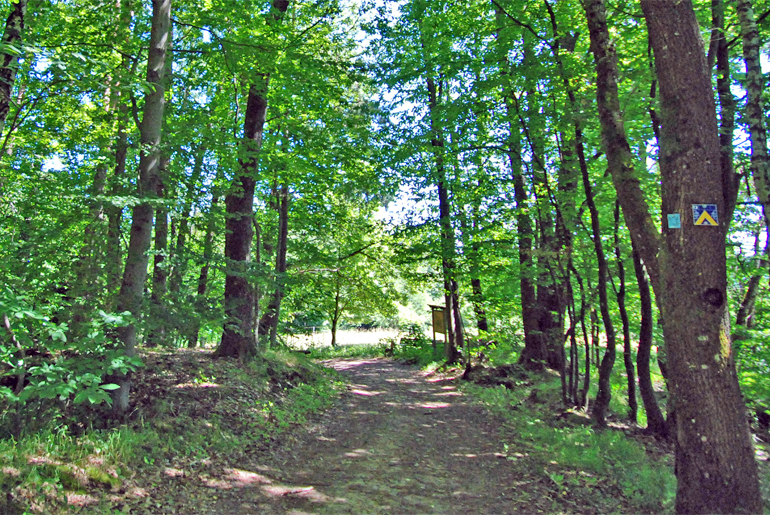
(397, 443)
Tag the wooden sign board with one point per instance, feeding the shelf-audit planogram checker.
(439, 322)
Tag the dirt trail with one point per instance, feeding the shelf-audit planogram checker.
(397, 443)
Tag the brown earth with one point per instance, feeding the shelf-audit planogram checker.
(398, 443)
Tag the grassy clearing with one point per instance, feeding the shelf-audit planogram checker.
(411, 347)
(190, 410)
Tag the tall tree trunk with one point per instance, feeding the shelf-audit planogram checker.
(715, 466)
(583, 398)
(755, 113)
(550, 324)
(535, 350)
(755, 110)
(727, 110)
(604, 394)
(183, 232)
(628, 359)
(269, 322)
(238, 337)
(135, 273)
(656, 424)
(445, 223)
(9, 56)
(203, 277)
(159, 270)
(620, 160)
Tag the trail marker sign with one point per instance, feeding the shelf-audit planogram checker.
(674, 221)
(705, 214)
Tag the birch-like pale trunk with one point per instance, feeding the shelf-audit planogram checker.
(135, 272)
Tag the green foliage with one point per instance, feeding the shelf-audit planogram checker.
(53, 367)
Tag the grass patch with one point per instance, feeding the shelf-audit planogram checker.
(576, 458)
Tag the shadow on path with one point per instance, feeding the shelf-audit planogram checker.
(397, 443)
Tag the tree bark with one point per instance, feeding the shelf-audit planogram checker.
(135, 272)
(238, 337)
(715, 466)
(9, 60)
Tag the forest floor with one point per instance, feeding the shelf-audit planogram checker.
(396, 440)
(399, 440)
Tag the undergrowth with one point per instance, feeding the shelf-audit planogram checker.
(190, 410)
(574, 456)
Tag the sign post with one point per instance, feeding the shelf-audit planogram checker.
(439, 321)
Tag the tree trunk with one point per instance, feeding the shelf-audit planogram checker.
(159, 271)
(628, 359)
(238, 337)
(535, 350)
(269, 322)
(620, 160)
(715, 466)
(583, 400)
(755, 112)
(203, 277)
(604, 394)
(135, 273)
(478, 306)
(337, 312)
(726, 110)
(656, 424)
(114, 253)
(179, 259)
(9, 57)
(445, 223)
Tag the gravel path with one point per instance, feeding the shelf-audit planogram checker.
(397, 443)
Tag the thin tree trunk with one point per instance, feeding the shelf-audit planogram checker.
(604, 394)
(628, 358)
(715, 465)
(727, 110)
(203, 277)
(183, 232)
(620, 160)
(755, 111)
(583, 400)
(9, 57)
(274, 309)
(159, 270)
(445, 222)
(656, 424)
(135, 273)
